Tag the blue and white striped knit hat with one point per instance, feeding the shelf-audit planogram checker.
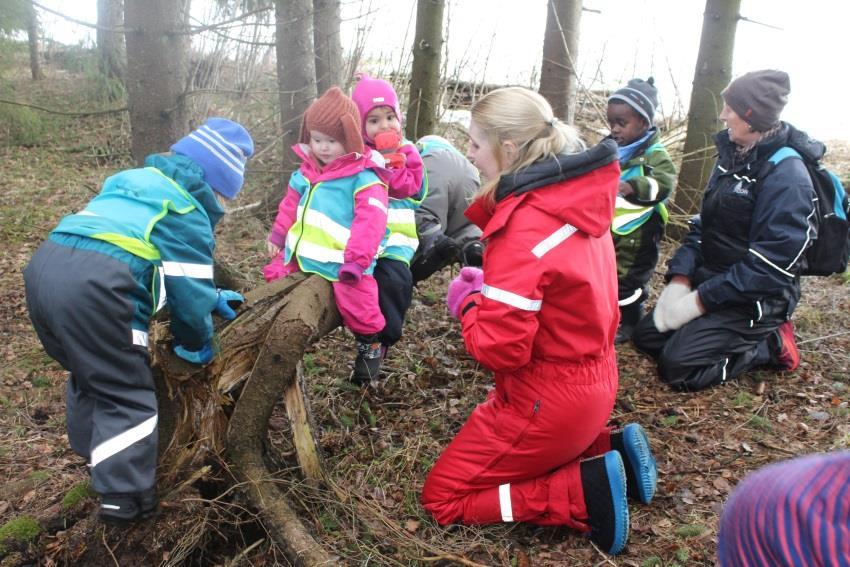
(221, 147)
(641, 95)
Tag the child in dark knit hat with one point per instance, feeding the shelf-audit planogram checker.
(403, 172)
(647, 178)
(90, 299)
(333, 219)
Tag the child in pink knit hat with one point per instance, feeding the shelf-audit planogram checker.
(401, 168)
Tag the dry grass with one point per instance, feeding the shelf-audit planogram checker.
(379, 444)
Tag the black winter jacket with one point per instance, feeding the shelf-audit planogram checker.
(747, 243)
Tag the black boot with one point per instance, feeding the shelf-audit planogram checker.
(367, 365)
(629, 317)
(122, 509)
(603, 480)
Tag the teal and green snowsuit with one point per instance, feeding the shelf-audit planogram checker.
(639, 219)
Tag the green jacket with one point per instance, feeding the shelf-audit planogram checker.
(652, 175)
(635, 227)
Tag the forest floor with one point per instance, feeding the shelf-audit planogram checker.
(379, 443)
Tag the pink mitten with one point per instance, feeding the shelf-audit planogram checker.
(468, 281)
(276, 269)
(350, 273)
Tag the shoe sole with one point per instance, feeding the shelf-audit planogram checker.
(617, 482)
(641, 461)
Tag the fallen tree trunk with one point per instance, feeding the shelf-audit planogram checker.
(219, 414)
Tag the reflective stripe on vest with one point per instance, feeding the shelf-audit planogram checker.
(628, 217)
(126, 219)
(319, 236)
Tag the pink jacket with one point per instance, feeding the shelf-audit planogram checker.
(404, 181)
(369, 226)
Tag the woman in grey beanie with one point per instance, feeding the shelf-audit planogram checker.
(735, 281)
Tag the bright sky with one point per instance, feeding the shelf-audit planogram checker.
(500, 41)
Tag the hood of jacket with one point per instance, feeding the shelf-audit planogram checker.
(579, 189)
(190, 177)
(343, 166)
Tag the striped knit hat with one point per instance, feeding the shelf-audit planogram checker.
(641, 95)
(221, 147)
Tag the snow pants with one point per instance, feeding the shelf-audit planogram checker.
(78, 301)
(395, 292)
(794, 512)
(516, 459)
(716, 347)
(357, 304)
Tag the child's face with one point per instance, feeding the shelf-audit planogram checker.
(324, 148)
(626, 125)
(482, 154)
(381, 119)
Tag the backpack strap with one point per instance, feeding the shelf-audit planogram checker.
(782, 153)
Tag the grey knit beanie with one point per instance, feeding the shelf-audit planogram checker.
(758, 97)
(641, 95)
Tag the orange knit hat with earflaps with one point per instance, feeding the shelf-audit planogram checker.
(335, 115)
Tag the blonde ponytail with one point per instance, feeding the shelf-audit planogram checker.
(525, 118)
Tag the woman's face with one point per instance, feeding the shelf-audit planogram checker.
(739, 131)
(482, 154)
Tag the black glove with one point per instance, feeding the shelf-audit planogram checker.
(444, 252)
(472, 254)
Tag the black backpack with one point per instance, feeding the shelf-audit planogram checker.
(830, 249)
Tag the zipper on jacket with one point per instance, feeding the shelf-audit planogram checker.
(310, 193)
(536, 407)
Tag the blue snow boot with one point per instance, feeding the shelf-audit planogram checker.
(603, 480)
(641, 472)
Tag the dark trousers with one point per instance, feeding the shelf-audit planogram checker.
(78, 303)
(395, 291)
(713, 348)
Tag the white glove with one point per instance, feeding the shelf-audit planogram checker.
(679, 314)
(671, 293)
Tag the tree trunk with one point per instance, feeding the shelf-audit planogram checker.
(110, 43)
(218, 416)
(558, 77)
(713, 72)
(326, 40)
(157, 55)
(296, 70)
(425, 73)
(32, 38)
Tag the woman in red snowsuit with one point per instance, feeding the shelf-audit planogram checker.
(542, 315)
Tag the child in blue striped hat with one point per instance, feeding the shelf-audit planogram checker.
(144, 242)
(647, 177)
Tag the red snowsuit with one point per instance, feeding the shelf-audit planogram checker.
(544, 322)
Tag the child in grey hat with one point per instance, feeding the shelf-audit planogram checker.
(647, 178)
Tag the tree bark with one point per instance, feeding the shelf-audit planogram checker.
(32, 39)
(326, 39)
(157, 55)
(425, 72)
(110, 43)
(558, 77)
(713, 72)
(296, 70)
(218, 415)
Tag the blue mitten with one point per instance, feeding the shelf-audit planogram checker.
(202, 356)
(227, 301)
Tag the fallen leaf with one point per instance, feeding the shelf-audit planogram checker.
(411, 526)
